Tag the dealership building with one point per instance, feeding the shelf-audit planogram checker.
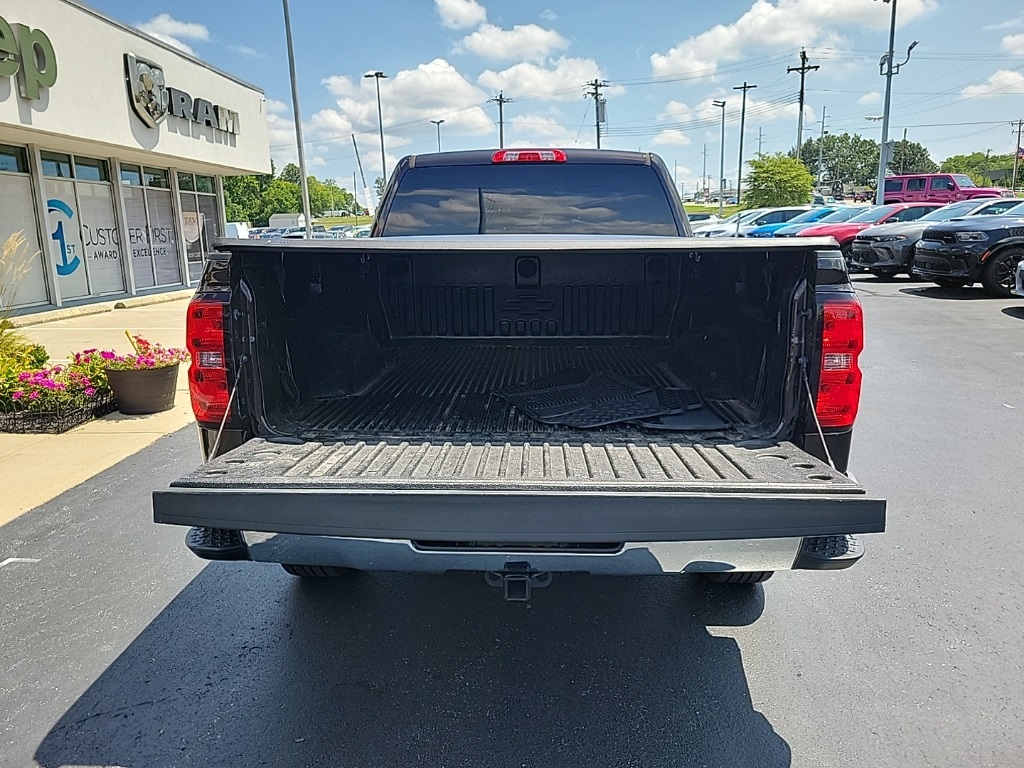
(113, 146)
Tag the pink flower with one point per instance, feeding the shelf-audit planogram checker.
(88, 351)
(33, 395)
(107, 355)
(17, 394)
(90, 391)
(24, 376)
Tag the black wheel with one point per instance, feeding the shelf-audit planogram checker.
(739, 577)
(945, 282)
(315, 571)
(998, 277)
(886, 274)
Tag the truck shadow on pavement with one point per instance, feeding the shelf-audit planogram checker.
(949, 294)
(247, 666)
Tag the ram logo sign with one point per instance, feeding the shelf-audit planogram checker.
(147, 89)
(153, 100)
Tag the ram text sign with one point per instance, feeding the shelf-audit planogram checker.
(153, 100)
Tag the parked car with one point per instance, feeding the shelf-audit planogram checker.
(255, 233)
(361, 231)
(845, 232)
(703, 218)
(842, 213)
(979, 248)
(888, 249)
(936, 188)
(717, 442)
(342, 230)
(780, 215)
(807, 217)
(271, 232)
(718, 228)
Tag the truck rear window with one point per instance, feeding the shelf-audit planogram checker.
(534, 198)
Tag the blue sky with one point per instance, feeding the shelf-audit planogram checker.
(666, 62)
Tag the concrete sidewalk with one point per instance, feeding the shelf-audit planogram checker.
(37, 468)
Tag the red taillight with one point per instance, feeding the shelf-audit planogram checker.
(528, 156)
(842, 339)
(208, 373)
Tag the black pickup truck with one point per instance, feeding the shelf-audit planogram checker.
(529, 368)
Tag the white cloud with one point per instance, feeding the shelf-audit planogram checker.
(869, 98)
(548, 15)
(281, 133)
(537, 130)
(1001, 83)
(166, 28)
(1014, 44)
(523, 41)
(246, 51)
(459, 14)
(1016, 23)
(777, 25)
(409, 99)
(559, 80)
(671, 136)
(273, 105)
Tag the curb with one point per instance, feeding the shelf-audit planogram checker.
(38, 318)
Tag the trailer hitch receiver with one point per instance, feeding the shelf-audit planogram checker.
(518, 581)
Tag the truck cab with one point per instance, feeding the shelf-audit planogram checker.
(941, 188)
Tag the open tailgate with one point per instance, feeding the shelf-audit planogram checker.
(523, 492)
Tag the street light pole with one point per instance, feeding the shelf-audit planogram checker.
(721, 163)
(888, 68)
(438, 124)
(743, 122)
(377, 75)
(304, 181)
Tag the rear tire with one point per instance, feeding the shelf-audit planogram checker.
(315, 571)
(945, 282)
(998, 276)
(739, 577)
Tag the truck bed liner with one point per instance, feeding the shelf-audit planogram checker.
(451, 391)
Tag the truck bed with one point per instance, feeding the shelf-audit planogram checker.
(451, 391)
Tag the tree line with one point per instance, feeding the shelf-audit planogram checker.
(840, 161)
(254, 199)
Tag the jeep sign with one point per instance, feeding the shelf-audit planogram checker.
(152, 99)
(27, 53)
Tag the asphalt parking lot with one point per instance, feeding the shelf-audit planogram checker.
(122, 649)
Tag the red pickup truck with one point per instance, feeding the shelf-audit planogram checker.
(939, 188)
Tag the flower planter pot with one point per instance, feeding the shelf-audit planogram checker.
(146, 390)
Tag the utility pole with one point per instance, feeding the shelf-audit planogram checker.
(304, 181)
(743, 122)
(759, 139)
(721, 168)
(501, 101)
(803, 69)
(888, 68)
(1016, 155)
(821, 146)
(599, 106)
(704, 173)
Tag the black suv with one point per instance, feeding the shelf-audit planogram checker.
(977, 248)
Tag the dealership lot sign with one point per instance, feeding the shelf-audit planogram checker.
(27, 54)
(152, 99)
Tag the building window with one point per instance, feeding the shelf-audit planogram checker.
(200, 216)
(152, 236)
(155, 177)
(205, 184)
(56, 165)
(87, 169)
(12, 159)
(18, 214)
(131, 175)
(84, 239)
